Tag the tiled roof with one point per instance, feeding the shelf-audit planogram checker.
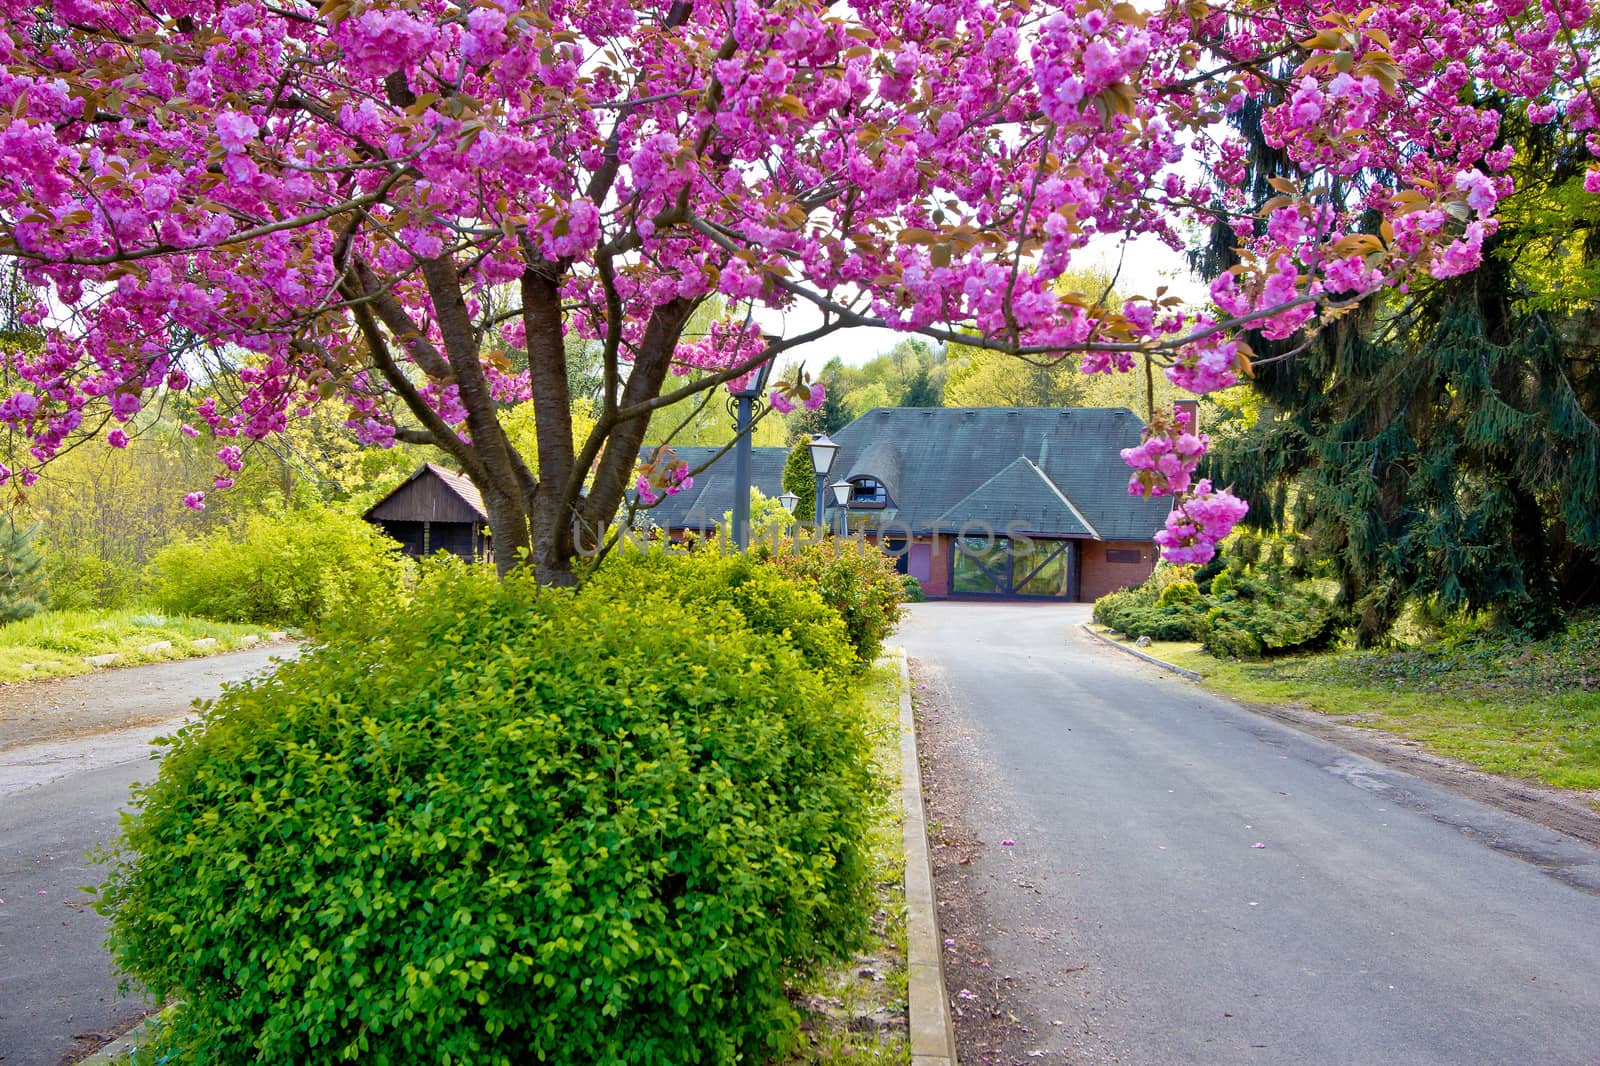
(1023, 492)
(462, 486)
(1078, 486)
(1046, 471)
(431, 493)
(703, 505)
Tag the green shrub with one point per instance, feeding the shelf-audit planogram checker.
(83, 582)
(911, 590)
(1179, 592)
(506, 825)
(771, 603)
(1255, 613)
(1249, 613)
(290, 568)
(856, 580)
(1112, 609)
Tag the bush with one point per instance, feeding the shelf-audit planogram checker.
(291, 568)
(1179, 592)
(1249, 613)
(1152, 610)
(856, 580)
(81, 582)
(771, 603)
(1255, 613)
(911, 590)
(508, 825)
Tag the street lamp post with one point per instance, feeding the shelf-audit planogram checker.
(744, 401)
(823, 450)
(841, 496)
(788, 501)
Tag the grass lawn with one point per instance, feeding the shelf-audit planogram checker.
(55, 643)
(858, 1011)
(1525, 709)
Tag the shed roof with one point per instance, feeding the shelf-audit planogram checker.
(431, 494)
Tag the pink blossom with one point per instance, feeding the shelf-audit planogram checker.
(1199, 523)
(124, 405)
(117, 439)
(234, 131)
(780, 402)
(932, 167)
(817, 396)
(195, 501)
(1481, 196)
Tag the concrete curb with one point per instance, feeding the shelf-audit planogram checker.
(1137, 654)
(117, 1052)
(933, 1035)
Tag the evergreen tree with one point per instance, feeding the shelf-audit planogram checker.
(800, 478)
(1442, 448)
(21, 571)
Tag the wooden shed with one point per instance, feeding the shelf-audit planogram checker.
(435, 510)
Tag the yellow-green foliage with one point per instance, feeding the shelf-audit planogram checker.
(856, 580)
(285, 567)
(771, 604)
(506, 825)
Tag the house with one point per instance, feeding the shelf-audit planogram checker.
(1008, 502)
(435, 510)
(1001, 501)
(699, 509)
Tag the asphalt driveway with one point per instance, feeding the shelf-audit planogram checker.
(1162, 877)
(69, 752)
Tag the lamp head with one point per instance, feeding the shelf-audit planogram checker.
(823, 449)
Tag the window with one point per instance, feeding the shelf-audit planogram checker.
(1123, 555)
(869, 492)
(999, 566)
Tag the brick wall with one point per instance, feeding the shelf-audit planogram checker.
(938, 584)
(1101, 575)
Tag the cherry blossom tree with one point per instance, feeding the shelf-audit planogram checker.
(411, 207)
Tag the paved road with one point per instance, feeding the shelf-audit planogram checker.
(1240, 892)
(59, 798)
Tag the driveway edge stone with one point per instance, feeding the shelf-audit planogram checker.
(933, 1035)
(1137, 654)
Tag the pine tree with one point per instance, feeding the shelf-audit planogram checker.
(21, 571)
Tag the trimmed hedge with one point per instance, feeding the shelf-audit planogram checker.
(509, 825)
(772, 605)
